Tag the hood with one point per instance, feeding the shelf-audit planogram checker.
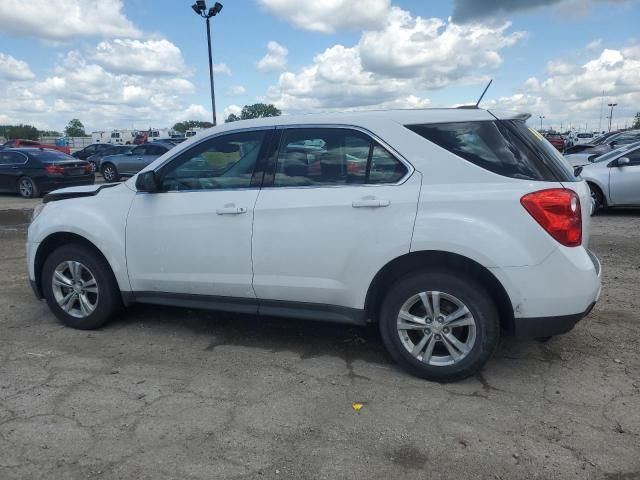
(76, 192)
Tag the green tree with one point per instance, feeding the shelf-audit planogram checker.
(74, 128)
(49, 133)
(189, 124)
(28, 132)
(636, 121)
(257, 110)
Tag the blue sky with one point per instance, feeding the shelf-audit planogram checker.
(537, 61)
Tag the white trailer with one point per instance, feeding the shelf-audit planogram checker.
(122, 137)
(100, 137)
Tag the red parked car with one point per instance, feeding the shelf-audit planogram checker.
(20, 143)
(556, 140)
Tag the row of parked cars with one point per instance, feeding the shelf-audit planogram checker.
(33, 169)
(610, 165)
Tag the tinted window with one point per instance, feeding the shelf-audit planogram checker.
(11, 158)
(50, 156)
(226, 161)
(141, 150)
(156, 150)
(507, 148)
(333, 156)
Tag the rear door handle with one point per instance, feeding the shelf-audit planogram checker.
(371, 203)
(231, 210)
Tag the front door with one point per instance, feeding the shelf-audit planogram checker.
(194, 236)
(340, 206)
(624, 181)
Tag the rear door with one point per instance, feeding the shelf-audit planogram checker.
(336, 206)
(624, 181)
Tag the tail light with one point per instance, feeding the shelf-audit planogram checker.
(88, 168)
(557, 210)
(54, 169)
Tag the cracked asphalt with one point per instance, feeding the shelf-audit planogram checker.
(165, 393)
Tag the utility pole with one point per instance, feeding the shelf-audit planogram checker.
(200, 7)
(611, 113)
(540, 117)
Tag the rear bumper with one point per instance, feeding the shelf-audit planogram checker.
(541, 327)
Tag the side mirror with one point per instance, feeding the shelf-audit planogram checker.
(146, 182)
(129, 152)
(612, 144)
(622, 161)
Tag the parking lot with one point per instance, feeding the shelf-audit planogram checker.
(171, 393)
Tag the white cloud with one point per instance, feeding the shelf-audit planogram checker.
(14, 69)
(221, 68)
(572, 93)
(275, 60)
(156, 57)
(594, 44)
(331, 15)
(435, 51)
(236, 90)
(194, 112)
(235, 109)
(61, 20)
(408, 55)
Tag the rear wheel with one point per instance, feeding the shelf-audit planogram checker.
(27, 187)
(439, 326)
(79, 287)
(110, 173)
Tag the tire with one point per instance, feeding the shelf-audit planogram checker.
(479, 336)
(27, 188)
(105, 301)
(110, 173)
(597, 196)
(94, 166)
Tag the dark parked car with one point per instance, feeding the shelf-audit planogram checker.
(96, 159)
(34, 171)
(115, 166)
(92, 149)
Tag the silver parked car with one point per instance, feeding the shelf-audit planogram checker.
(115, 166)
(585, 158)
(614, 178)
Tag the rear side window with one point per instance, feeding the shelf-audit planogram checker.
(334, 156)
(507, 148)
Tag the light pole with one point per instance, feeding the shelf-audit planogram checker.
(540, 117)
(611, 113)
(200, 7)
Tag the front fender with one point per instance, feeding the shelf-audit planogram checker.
(100, 219)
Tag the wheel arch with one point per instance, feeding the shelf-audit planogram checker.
(51, 243)
(603, 191)
(414, 262)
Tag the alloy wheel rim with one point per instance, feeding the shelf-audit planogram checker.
(26, 188)
(436, 328)
(75, 288)
(109, 173)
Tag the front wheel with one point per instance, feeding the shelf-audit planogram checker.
(79, 287)
(439, 326)
(597, 197)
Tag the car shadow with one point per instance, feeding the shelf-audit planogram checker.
(307, 339)
(619, 212)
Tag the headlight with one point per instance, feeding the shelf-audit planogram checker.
(37, 210)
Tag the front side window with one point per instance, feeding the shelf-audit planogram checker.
(141, 150)
(333, 156)
(227, 161)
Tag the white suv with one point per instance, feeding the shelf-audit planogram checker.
(440, 225)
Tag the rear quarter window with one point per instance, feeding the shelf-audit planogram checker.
(508, 148)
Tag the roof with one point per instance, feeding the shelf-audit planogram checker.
(408, 116)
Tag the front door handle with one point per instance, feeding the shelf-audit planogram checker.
(231, 209)
(371, 203)
(139, 158)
